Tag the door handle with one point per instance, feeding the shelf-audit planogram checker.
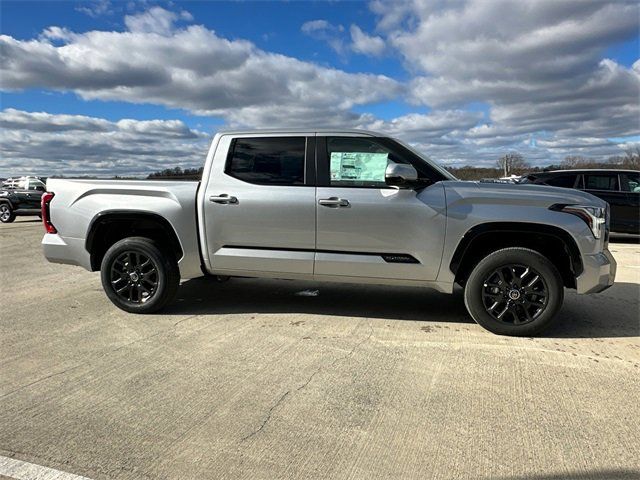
(223, 199)
(334, 202)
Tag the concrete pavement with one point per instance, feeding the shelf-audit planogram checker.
(249, 379)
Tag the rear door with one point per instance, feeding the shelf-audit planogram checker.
(366, 228)
(259, 205)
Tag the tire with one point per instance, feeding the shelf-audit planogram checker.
(138, 276)
(514, 291)
(7, 215)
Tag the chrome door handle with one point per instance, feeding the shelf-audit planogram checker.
(223, 199)
(334, 202)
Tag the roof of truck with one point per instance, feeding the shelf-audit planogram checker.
(300, 130)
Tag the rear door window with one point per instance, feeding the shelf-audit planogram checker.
(267, 160)
(601, 182)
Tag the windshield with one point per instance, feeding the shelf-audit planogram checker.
(446, 173)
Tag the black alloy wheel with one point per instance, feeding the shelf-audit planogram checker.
(514, 291)
(139, 275)
(134, 277)
(515, 294)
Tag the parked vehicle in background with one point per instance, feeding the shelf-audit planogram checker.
(338, 206)
(619, 188)
(20, 196)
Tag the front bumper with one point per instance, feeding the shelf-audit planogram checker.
(67, 250)
(599, 272)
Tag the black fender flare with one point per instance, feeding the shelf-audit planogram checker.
(539, 229)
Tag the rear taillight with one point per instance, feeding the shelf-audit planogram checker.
(44, 203)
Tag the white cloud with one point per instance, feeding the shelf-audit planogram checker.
(96, 8)
(46, 144)
(335, 36)
(313, 26)
(190, 68)
(537, 65)
(537, 70)
(155, 20)
(366, 44)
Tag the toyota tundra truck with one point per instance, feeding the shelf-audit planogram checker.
(335, 206)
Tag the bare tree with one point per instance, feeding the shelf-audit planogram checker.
(574, 161)
(512, 162)
(632, 159)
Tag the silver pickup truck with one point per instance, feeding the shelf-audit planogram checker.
(337, 206)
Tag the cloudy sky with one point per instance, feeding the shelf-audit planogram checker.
(131, 87)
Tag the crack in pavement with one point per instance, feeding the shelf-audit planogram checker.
(305, 384)
(268, 417)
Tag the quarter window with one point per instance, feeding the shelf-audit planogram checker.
(267, 160)
(601, 182)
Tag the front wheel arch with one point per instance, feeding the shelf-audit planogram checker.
(550, 241)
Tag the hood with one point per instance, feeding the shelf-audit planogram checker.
(518, 194)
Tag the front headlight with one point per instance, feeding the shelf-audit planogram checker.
(594, 217)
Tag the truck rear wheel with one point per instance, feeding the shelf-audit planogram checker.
(138, 276)
(514, 291)
(7, 215)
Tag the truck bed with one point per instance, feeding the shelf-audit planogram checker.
(79, 202)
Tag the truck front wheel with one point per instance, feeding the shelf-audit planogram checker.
(514, 291)
(138, 276)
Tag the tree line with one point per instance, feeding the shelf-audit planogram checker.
(514, 163)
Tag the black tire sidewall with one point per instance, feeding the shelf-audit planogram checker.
(12, 214)
(523, 256)
(168, 277)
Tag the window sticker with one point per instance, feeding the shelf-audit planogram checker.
(358, 166)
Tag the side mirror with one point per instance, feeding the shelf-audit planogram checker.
(401, 175)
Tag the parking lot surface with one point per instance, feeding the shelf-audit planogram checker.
(266, 379)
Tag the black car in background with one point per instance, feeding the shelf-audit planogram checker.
(20, 196)
(619, 188)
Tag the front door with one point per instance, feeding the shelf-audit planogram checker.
(364, 227)
(259, 205)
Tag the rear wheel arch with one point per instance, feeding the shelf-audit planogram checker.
(109, 227)
(550, 241)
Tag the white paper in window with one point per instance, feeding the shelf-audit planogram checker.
(358, 166)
